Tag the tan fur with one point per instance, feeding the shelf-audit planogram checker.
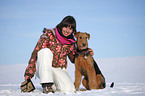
(82, 39)
(84, 66)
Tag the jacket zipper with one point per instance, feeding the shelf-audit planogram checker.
(60, 53)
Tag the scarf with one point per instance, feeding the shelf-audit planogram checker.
(62, 39)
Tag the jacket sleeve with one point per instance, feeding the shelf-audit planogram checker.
(71, 54)
(42, 43)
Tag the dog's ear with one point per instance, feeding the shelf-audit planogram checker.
(88, 35)
(76, 34)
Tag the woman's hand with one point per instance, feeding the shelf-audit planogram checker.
(26, 77)
(91, 52)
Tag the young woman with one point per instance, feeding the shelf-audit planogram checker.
(49, 58)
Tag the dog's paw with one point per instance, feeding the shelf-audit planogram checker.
(82, 89)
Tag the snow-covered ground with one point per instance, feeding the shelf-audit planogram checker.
(127, 73)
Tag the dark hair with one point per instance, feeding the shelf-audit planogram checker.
(66, 22)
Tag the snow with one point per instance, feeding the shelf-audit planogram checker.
(127, 74)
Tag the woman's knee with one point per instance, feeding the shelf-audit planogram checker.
(45, 51)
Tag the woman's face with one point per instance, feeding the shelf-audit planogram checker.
(66, 31)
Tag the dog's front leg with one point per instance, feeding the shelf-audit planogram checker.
(91, 73)
(92, 79)
(78, 75)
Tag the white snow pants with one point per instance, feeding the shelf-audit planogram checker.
(46, 73)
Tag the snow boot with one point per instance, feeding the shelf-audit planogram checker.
(47, 87)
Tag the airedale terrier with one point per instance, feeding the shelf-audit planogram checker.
(86, 66)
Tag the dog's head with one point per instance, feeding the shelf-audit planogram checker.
(82, 42)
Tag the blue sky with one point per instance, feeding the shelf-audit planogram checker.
(117, 27)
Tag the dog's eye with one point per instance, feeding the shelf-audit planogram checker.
(86, 37)
(80, 37)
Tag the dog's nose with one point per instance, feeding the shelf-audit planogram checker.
(84, 44)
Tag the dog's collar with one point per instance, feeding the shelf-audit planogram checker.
(82, 52)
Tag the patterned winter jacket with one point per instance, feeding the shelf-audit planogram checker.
(60, 51)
